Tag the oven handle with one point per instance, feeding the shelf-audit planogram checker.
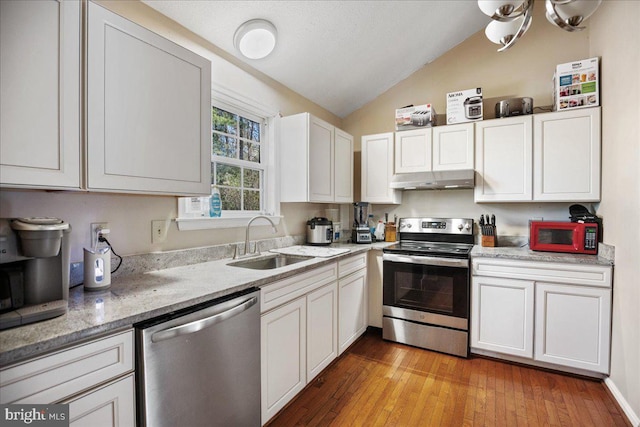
(427, 260)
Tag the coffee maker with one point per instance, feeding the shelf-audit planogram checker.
(34, 270)
(360, 232)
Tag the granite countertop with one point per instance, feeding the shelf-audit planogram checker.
(605, 256)
(137, 297)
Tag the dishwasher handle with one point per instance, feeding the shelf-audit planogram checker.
(197, 325)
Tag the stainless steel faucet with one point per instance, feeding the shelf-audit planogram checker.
(247, 243)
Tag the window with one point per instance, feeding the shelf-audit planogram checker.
(236, 162)
(242, 165)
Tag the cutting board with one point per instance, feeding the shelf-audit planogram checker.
(314, 251)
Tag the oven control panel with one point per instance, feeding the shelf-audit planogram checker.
(436, 225)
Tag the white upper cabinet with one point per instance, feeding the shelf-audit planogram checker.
(413, 151)
(504, 160)
(453, 147)
(148, 110)
(551, 157)
(343, 172)
(40, 94)
(566, 156)
(377, 169)
(318, 160)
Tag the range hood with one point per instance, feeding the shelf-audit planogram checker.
(439, 180)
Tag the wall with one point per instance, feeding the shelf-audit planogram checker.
(130, 216)
(614, 36)
(526, 70)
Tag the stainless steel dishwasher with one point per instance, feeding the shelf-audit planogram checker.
(201, 366)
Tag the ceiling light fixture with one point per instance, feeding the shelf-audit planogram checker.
(255, 39)
(512, 18)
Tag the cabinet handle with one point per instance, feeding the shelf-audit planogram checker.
(197, 325)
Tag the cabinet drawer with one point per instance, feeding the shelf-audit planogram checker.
(575, 274)
(286, 290)
(51, 378)
(110, 405)
(351, 264)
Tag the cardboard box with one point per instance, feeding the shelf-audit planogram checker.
(576, 85)
(464, 106)
(415, 117)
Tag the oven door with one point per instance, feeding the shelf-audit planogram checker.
(426, 289)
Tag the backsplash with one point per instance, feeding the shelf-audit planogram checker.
(142, 263)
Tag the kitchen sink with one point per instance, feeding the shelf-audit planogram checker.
(269, 262)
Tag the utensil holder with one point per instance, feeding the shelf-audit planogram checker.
(489, 241)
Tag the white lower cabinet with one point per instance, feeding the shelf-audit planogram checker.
(352, 308)
(374, 287)
(109, 406)
(555, 315)
(95, 378)
(573, 326)
(283, 355)
(306, 321)
(322, 329)
(502, 318)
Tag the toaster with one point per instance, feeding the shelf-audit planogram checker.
(514, 107)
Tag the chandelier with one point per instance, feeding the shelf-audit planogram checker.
(512, 18)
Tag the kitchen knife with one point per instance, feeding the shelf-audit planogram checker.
(493, 220)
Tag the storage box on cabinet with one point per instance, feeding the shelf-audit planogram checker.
(319, 161)
(556, 315)
(50, 378)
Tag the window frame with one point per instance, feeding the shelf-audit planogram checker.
(238, 104)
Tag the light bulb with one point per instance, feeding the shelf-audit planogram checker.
(501, 9)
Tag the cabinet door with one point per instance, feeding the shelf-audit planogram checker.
(413, 151)
(321, 154)
(374, 287)
(504, 160)
(352, 308)
(148, 110)
(573, 326)
(343, 173)
(502, 315)
(322, 329)
(566, 156)
(283, 355)
(377, 169)
(110, 405)
(40, 86)
(453, 147)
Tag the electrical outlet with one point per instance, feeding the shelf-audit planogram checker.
(159, 230)
(94, 231)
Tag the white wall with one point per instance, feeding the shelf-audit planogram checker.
(614, 36)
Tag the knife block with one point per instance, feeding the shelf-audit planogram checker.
(489, 241)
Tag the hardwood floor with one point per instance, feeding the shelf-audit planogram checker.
(379, 383)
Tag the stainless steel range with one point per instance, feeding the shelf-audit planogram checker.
(426, 288)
